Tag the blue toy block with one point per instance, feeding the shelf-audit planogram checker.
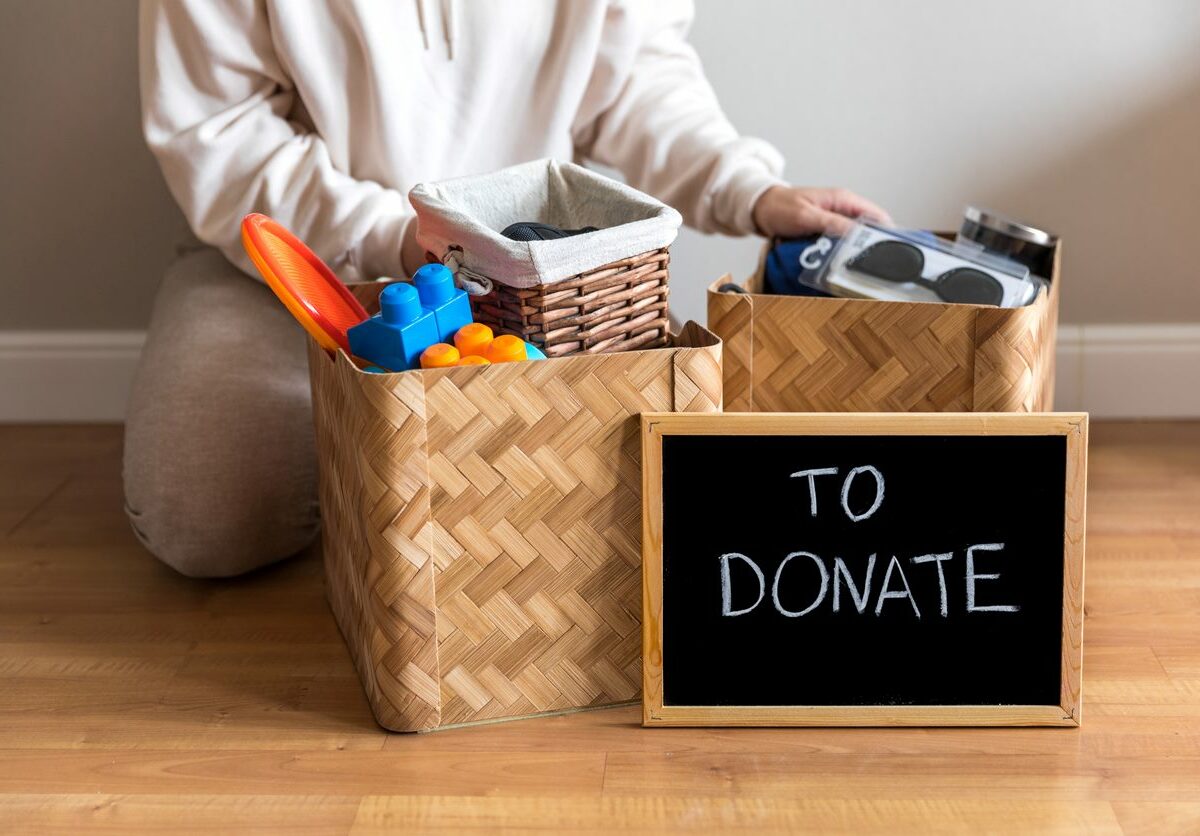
(449, 304)
(395, 337)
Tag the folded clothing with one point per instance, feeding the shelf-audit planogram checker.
(533, 231)
(792, 265)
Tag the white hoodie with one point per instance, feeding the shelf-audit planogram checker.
(324, 113)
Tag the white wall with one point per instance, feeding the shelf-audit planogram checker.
(1080, 115)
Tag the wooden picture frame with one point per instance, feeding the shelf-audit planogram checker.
(655, 426)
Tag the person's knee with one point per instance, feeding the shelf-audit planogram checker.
(200, 538)
(220, 465)
(219, 505)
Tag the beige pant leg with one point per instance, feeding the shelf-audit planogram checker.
(220, 468)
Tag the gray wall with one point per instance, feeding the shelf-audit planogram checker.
(86, 223)
(1081, 116)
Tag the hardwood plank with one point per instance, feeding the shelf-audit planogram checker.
(621, 731)
(648, 814)
(188, 813)
(961, 776)
(599, 814)
(296, 772)
(22, 494)
(1106, 662)
(87, 507)
(1174, 630)
(1183, 662)
(1158, 818)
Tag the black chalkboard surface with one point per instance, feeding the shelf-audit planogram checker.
(921, 567)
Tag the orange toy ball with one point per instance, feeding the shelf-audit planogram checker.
(474, 360)
(473, 339)
(439, 356)
(507, 349)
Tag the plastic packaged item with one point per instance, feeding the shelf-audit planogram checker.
(474, 360)
(440, 356)
(395, 337)
(792, 266)
(448, 304)
(874, 262)
(1010, 238)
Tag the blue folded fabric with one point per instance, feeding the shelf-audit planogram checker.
(792, 265)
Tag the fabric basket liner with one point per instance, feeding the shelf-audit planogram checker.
(462, 218)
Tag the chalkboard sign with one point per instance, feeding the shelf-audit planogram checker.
(863, 569)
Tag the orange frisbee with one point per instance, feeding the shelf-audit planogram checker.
(305, 284)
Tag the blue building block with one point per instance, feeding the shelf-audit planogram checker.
(449, 304)
(395, 337)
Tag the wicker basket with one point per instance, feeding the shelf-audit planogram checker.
(482, 526)
(616, 307)
(811, 354)
(600, 292)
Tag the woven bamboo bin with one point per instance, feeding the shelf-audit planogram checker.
(811, 354)
(482, 526)
(616, 307)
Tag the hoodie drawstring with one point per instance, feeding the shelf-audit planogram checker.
(449, 24)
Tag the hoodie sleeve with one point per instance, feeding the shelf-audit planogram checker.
(650, 113)
(218, 113)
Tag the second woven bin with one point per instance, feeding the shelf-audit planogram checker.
(812, 354)
(600, 292)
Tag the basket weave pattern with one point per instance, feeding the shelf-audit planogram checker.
(482, 527)
(616, 307)
(805, 354)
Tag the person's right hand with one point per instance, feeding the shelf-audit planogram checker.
(794, 212)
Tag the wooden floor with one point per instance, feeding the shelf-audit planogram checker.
(132, 697)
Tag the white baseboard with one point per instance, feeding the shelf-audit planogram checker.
(66, 376)
(1129, 371)
(1111, 371)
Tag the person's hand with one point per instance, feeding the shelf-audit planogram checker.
(794, 212)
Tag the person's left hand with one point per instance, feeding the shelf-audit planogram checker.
(795, 212)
